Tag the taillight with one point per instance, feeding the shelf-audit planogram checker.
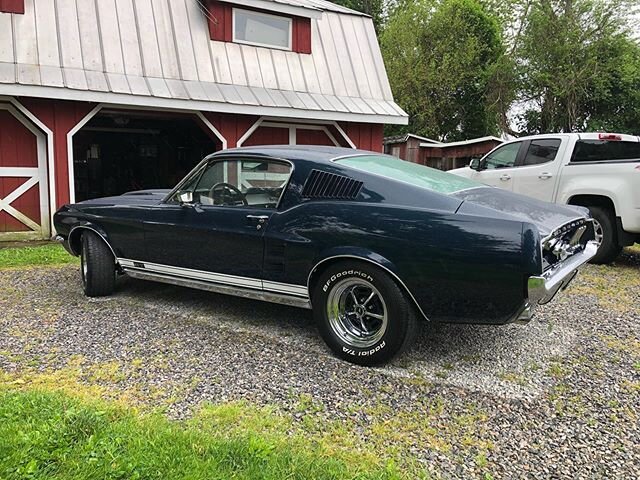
(610, 136)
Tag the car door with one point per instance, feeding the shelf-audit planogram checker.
(496, 169)
(215, 222)
(536, 173)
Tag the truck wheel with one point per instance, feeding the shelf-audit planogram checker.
(362, 314)
(97, 266)
(606, 234)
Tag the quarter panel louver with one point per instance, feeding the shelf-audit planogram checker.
(330, 185)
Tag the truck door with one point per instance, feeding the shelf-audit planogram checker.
(496, 169)
(536, 172)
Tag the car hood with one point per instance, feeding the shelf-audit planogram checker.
(139, 197)
(504, 204)
(463, 172)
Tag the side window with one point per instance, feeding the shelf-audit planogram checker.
(503, 157)
(236, 183)
(541, 151)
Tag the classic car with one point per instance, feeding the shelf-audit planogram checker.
(371, 243)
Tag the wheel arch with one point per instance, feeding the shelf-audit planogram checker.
(368, 257)
(75, 238)
(593, 200)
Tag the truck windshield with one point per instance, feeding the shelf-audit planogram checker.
(408, 172)
(605, 150)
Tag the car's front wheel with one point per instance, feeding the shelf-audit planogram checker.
(362, 313)
(97, 266)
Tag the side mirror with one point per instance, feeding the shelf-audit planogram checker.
(185, 197)
(475, 164)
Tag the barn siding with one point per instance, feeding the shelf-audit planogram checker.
(301, 35)
(12, 6)
(367, 136)
(313, 137)
(220, 19)
(268, 136)
(232, 127)
(60, 117)
(18, 148)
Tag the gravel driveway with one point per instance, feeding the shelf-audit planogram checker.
(555, 398)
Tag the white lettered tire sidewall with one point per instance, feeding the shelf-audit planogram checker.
(401, 325)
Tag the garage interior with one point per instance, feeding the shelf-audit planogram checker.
(118, 152)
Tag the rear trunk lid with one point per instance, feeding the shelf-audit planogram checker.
(547, 217)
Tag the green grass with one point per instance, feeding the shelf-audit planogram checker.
(52, 254)
(614, 286)
(55, 436)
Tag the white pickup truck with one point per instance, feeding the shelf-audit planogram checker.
(600, 171)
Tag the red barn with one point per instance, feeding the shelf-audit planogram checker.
(102, 97)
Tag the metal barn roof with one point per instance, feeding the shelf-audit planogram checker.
(158, 53)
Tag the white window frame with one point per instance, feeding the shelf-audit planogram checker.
(235, 39)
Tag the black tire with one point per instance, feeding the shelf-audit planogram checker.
(97, 266)
(609, 248)
(387, 300)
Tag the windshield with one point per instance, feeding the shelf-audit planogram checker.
(408, 172)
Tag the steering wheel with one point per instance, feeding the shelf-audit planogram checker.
(224, 186)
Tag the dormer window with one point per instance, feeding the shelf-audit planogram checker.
(261, 29)
(239, 23)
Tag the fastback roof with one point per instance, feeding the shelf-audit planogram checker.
(297, 152)
(159, 53)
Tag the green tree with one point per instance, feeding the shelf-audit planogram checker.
(579, 67)
(443, 57)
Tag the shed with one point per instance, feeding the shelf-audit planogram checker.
(444, 156)
(102, 97)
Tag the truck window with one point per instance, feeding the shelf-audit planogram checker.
(542, 151)
(503, 157)
(605, 150)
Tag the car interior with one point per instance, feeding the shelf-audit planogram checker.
(229, 183)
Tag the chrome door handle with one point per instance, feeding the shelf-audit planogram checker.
(505, 177)
(545, 176)
(259, 218)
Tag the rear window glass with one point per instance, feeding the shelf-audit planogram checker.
(408, 172)
(602, 150)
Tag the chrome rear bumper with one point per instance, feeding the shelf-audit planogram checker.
(543, 288)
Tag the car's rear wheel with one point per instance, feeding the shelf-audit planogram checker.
(97, 266)
(362, 313)
(606, 235)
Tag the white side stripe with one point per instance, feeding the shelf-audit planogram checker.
(222, 278)
(299, 290)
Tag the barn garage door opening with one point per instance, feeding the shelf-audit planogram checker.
(118, 152)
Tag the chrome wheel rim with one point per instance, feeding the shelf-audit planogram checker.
(598, 232)
(83, 266)
(357, 312)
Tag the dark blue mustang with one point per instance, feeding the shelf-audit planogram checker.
(372, 243)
